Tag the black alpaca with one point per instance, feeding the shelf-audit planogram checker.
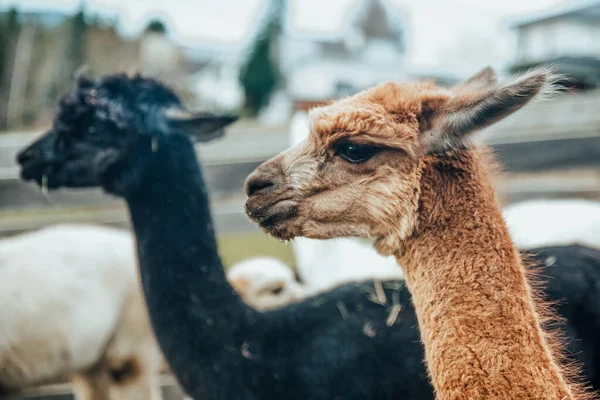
(572, 275)
(130, 136)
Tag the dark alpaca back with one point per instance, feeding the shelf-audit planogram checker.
(344, 343)
(335, 345)
(572, 281)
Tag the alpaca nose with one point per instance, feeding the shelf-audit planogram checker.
(265, 179)
(42, 150)
(26, 155)
(259, 183)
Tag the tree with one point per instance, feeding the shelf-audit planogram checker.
(76, 47)
(260, 74)
(9, 32)
(76, 30)
(9, 28)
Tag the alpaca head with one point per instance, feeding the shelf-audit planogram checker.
(358, 173)
(98, 122)
(265, 283)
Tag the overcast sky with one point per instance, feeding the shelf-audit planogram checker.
(457, 35)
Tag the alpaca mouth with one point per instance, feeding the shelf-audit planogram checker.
(275, 218)
(37, 165)
(52, 174)
(40, 172)
(207, 137)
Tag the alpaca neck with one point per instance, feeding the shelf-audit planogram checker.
(476, 313)
(195, 313)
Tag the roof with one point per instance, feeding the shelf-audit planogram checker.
(326, 78)
(206, 51)
(376, 18)
(588, 9)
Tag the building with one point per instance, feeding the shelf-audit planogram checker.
(368, 46)
(215, 75)
(566, 37)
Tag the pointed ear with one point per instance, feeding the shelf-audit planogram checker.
(82, 81)
(469, 111)
(481, 80)
(200, 126)
(82, 71)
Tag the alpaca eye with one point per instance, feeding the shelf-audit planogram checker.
(356, 153)
(277, 290)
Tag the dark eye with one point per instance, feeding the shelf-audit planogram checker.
(356, 153)
(277, 290)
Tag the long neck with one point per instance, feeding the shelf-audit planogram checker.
(476, 313)
(195, 313)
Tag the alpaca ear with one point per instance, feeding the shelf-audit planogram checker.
(474, 107)
(83, 81)
(82, 71)
(200, 126)
(481, 80)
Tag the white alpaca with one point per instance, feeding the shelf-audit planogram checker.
(265, 283)
(323, 264)
(538, 223)
(71, 305)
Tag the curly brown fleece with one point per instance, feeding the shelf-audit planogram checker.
(426, 197)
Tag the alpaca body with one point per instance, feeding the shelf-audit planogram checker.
(85, 296)
(339, 344)
(323, 337)
(323, 264)
(79, 302)
(265, 283)
(352, 342)
(483, 324)
(64, 292)
(571, 277)
(538, 223)
(398, 163)
(571, 280)
(333, 345)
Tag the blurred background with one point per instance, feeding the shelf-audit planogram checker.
(271, 60)
(268, 59)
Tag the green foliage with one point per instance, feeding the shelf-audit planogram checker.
(9, 29)
(76, 46)
(260, 74)
(9, 23)
(236, 247)
(77, 28)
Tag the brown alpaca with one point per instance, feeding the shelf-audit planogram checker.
(397, 163)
